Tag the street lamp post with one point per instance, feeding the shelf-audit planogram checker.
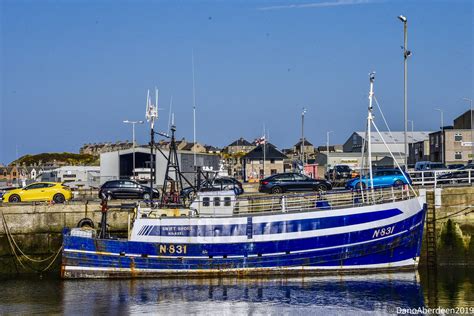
(472, 131)
(442, 134)
(133, 140)
(327, 149)
(302, 136)
(406, 54)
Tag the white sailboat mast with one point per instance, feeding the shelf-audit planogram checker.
(369, 123)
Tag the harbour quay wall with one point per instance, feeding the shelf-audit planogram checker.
(36, 229)
(453, 219)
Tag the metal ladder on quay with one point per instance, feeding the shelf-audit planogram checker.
(431, 255)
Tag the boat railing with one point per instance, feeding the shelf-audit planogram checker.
(298, 202)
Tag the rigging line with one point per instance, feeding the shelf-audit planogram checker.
(388, 128)
(393, 157)
(454, 214)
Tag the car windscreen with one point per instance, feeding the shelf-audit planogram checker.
(343, 168)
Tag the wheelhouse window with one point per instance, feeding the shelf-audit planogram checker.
(205, 201)
(217, 201)
(227, 201)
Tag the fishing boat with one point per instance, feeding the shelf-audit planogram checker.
(220, 233)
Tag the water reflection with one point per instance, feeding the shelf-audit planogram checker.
(335, 295)
(382, 293)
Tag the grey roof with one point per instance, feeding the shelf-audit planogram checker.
(270, 153)
(241, 142)
(306, 143)
(396, 137)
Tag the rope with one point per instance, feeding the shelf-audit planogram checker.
(386, 124)
(457, 213)
(14, 248)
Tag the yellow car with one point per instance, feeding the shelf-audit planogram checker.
(39, 191)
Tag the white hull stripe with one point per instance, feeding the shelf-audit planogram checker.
(238, 256)
(397, 264)
(272, 237)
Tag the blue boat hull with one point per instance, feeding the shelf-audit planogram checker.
(378, 247)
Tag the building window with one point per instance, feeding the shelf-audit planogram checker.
(14, 174)
(458, 137)
(273, 171)
(458, 155)
(272, 160)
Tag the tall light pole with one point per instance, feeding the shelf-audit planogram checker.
(442, 134)
(302, 135)
(133, 140)
(472, 133)
(327, 148)
(412, 137)
(406, 54)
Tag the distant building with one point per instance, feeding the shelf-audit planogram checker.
(89, 175)
(394, 140)
(463, 121)
(98, 148)
(453, 144)
(119, 164)
(239, 145)
(419, 151)
(307, 147)
(262, 161)
(212, 150)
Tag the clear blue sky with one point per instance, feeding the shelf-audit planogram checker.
(72, 71)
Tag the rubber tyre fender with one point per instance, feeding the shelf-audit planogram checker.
(85, 222)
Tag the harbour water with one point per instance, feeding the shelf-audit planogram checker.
(383, 294)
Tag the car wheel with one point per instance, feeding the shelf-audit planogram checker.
(59, 198)
(320, 187)
(398, 183)
(14, 198)
(277, 190)
(146, 196)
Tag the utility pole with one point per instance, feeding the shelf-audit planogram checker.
(327, 148)
(302, 136)
(442, 134)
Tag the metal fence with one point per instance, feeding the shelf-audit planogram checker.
(306, 201)
(442, 177)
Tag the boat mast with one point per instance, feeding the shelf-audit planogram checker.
(152, 115)
(369, 123)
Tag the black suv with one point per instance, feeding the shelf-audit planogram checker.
(339, 172)
(217, 184)
(283, 182)
(126, 189)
